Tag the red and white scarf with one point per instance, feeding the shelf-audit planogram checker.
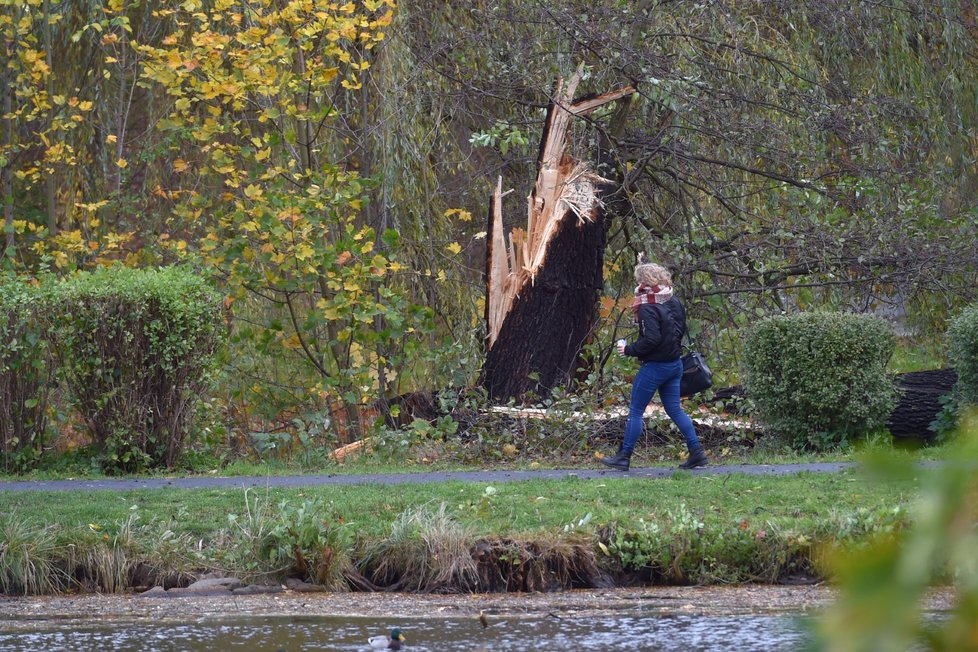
(650, 294)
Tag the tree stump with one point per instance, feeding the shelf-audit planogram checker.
(542, 286)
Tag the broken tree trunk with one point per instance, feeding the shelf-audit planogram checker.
(542, 285)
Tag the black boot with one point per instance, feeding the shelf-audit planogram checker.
(620, 461)
(696, 459)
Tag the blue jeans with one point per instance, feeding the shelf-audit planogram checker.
(664, 377)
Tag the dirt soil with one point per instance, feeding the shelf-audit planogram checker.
(750, 599)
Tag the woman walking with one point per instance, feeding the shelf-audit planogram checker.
(661, 323)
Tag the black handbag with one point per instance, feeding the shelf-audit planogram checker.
(697, 376)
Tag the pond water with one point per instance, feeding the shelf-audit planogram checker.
(688, 633)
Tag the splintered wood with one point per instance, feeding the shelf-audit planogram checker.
(564, 188)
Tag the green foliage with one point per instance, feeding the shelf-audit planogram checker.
(963, 343)
(30, 559)
(25, 374)
(819, 379)
(885, 582)
(134, 349)
(288, 541)
(681, 547)
(313, 278)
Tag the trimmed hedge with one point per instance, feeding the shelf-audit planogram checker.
(963, 349)
(25, 374)
(819, 379)
(134, 348)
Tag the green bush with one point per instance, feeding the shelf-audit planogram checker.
(680, 547)
(25, 374)
(134, 348)
(819, 379)
(963, 340)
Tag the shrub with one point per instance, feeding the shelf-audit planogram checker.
(680, 547)
(819, 379)
(25, 374)
(963, 344)
(134, 347)
(284, 540)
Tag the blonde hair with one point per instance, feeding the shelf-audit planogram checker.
(652, 274)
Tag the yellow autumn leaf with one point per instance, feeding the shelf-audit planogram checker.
(292, 342)
(180, 165)
(304, 251)
(462, 214)
(252, 191)
(122, 163)
(111, 138)
(93, 206)
(454, 248)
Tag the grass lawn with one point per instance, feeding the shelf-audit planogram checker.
(789, 502)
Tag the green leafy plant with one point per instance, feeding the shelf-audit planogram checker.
(25, 374)
(134, 346)
(884, 583)
(305, 540)
(682, 547)
(819, 379)
(963, 343)
(287, 540)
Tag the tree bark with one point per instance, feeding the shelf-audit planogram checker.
(50, 181)
(6, 178)
(542, 289)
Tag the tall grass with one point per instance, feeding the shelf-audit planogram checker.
(31, 560)
(426, 550)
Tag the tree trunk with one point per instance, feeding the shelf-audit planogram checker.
(50, 181)
(542, 289)
(6, 178)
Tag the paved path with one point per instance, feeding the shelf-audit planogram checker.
(211, 482)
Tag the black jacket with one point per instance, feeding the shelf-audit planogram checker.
(660, 328)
